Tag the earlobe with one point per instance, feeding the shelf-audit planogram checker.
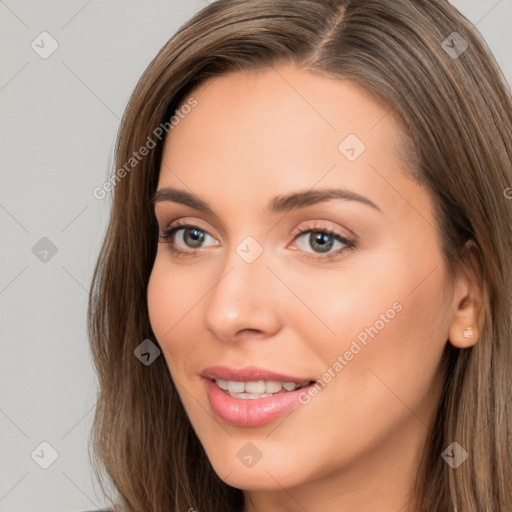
(468, 333)
(463, 338)
(468, 300)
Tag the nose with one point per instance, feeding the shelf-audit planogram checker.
(245, 300)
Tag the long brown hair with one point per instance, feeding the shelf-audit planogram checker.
(454, 105)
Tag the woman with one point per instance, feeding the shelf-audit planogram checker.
(303, 297)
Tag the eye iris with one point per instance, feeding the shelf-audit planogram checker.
(320, 238)
(197, 237)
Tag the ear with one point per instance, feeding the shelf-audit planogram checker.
(467, 300)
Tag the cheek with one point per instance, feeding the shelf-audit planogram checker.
(159, 303)
(176, 297)
(388, 331)
(379, 332)
(166, 307)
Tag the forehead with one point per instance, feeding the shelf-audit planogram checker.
(252, 97)
(253, 107)
(260, 133)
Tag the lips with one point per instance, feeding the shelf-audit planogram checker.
(251, 409)
(250, 413)
(250, 374)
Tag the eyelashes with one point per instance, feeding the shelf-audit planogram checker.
(326, 238)
(321, 236)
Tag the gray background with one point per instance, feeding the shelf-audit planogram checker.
(59, 121)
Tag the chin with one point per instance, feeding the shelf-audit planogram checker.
(270, 475)
(252, 480)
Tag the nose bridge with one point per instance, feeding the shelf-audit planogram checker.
(242, 297)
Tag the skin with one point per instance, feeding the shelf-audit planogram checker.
(254, 136)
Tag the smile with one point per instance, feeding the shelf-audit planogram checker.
(252, 390)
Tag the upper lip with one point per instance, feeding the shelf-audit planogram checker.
(249, 374)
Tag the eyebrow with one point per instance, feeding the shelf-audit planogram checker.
(279, 204)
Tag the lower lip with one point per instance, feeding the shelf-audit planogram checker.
(251, 412)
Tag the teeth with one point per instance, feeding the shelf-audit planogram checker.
(236, 387)
(256, 389)
(252, 396)
(272, 386)
(223, 384)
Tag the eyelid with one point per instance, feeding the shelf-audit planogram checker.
(166, 214)
(184, 222)
(179, 224)
(320, 225)
(166, 224)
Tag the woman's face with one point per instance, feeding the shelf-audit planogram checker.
(364, 309)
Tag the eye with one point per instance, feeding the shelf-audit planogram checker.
(181, 234)
(183, 238)
(322, 239)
